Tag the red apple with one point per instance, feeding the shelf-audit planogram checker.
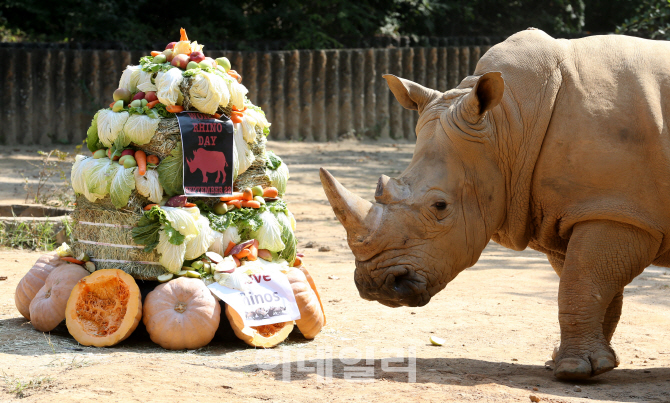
(127, 152)
(170, 45)
(168, 55)
(197, 57)
(150, 96)
(139, 95)
(180, 61)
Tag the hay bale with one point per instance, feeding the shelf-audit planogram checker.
(105, 234)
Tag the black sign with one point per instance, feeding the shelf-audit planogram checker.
(208, 154)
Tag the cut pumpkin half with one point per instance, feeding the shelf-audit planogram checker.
(104, 308)
(258, 336)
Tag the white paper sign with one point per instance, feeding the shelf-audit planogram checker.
(267, 300)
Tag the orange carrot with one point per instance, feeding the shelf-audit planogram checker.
(253, 253)
(270, 192)
(242, 254)
(151, 104)
(237, 261)
(141, 158)
(230, 247)
(174, 108)
(247, 194)
(182, 35)
(236, 117)
(217, 115)
(155, 53)
(234, 196)
(235, 75)
(187, 204)
(112, 104)
(251, 204)
(298, 262)
(239, 110)
(152, 159)
(75, 261)
(236, 203)
(149, 206)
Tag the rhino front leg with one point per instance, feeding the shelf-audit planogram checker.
(602, 258)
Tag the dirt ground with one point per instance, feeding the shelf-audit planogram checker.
(499, 319)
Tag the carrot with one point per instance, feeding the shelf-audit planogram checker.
(155, 53)
(237, 261)
(270, 192)
(149, 206)
(251, 204)
(298, 262)
(243, 253)
(234, 196)
(141, 159)
(236, 203)
(217, 115)
(236, 117)
(253, 253)
(112, 104)
(76, 261)
(174, 108)
(247, 194)
(182, 35)
(239, 110)
(230, 247)
(152, 159)
(151, 104)
(235, 75)
(187, 204)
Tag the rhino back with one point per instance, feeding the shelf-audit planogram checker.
(606, 152)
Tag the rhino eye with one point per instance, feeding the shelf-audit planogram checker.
(440, 205)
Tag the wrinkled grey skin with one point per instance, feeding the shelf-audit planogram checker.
(558, 145)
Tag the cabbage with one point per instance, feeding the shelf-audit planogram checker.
(129, 78)
(269, 234)
(77, 177)
(248, 126)
(237, 280)
(144, 83)
(292, 218)
(110, 125)
(208, 91)
(123, 184)
(98, 178)
(287, 236)
(148, 185)
(139, 129)
(258, 116)
(172, 256)
(243, 157)
(237, 93)
(278, 177)
(199, 244)
(182, 221)
(221, 240)
(168, 86)
(171, 172)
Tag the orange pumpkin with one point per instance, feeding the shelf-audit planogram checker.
(181, 314)
(312, 284)
(258, 336)
(312, 318)
(104, 308)
(47, 309)
(33, 281)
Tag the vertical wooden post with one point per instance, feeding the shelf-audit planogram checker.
(358, 90)
(453, 56)
(293, 95)
(43, 129)
(62, 114)
(251, 75)
(431, 68)
(332, 94)
(319, 123)
(346, 118)
(395, 109)
(26, 115)
(306, 89)
(442, 70)
(408, 116)
(381, 59)
(463, 63)
(9, 96)
(474, 58)
(265, 88)
(278, 95)
(370, 69)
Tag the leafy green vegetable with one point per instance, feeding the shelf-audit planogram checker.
(148, 65)
(92, 141)
(171, 172)
(246, 220)
(277, 171)
(147, 230)
(198, 70)
(161, 111)
(273, 161)
(289, 239)
(123, 184)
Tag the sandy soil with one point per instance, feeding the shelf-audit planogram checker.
(499, 320)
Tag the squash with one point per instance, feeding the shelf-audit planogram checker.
(312, 284)
(258, 336)
(33, 281)
(47, 309)
(104, 308)
(181, 313)
(312, 318)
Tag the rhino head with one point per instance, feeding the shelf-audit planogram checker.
(435, 219)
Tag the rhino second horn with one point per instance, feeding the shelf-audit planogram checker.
(358, 216)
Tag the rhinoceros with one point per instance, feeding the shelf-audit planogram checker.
(557, 145)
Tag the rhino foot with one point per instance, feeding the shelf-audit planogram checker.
(575, 368)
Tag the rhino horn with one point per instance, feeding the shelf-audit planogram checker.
(358, 216)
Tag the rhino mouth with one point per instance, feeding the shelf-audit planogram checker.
(393, 286)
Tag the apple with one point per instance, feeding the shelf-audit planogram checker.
(180, 61)
(109, 155)
(160, 59)
(224, 62)
(150, 96)
(127, 152)
(212, 62)
(192, 65)
(170, 45)
(122, 94)
(139, 95)
(101, 153)
(169, 54)
(136, 103)
(197, 56)
(118, 106)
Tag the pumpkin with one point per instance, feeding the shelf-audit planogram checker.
(181, 314)
(33, 281)
(312, 318)
(258, 336)
(104, 308)
(47, 309)
(312, 284)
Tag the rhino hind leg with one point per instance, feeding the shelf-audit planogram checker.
(602, 257)
(218, 176)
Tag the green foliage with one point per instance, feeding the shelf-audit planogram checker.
(650, 20)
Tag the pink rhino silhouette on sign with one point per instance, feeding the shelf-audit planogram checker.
(208, 162)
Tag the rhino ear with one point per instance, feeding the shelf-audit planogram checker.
(486, 95)
(411, 95)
